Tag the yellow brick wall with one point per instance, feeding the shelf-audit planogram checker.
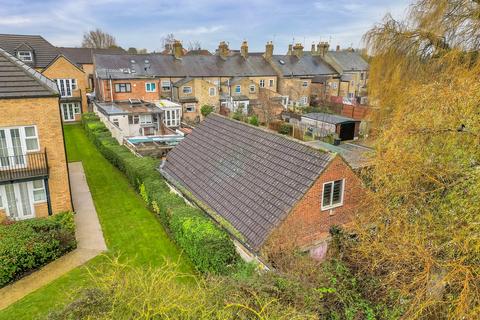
(45, 114)
(293, 87)
(63, 69)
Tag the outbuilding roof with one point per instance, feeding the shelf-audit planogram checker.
(43, 51)
(249, 176)
(328, 118)
(127, 66)
(17, 80)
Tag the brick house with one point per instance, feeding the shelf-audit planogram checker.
(269, 191)
(34, 178)
(42, 56)
(192, 80)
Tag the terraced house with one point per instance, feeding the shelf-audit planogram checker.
(33, 168)
(39, 54)
(228, 78)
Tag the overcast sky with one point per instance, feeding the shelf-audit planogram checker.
(143, 23)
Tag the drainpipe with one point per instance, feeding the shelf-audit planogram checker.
(47, 191)
(111, 90)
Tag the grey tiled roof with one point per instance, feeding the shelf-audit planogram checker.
(85, 55)
(187, 66)
(17, 80)
(43, 51)
(250, 177)
(307, 65)
(348, 61)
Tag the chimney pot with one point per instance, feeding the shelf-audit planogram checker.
(244, 49)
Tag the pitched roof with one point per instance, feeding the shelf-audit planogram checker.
(201, 52)
(249, 176)
(348, 61)
(307, 65)
(117, 66)
(17, 80)
(44, 52)
(85, 55)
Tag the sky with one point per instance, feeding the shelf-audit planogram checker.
(144, 23)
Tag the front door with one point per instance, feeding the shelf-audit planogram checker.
(19, 203)
(12, 148)
(68, 111)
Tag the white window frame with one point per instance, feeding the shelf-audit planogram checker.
(342, 193)
(166, 85)
(115, 122)
(145, 118)
(304, 100)
(34, 137)
(125, 84)
(190, 105)
(185, 91)
(22, 55)
(148, 87)
(214, 91)
(250, 88)
(271, 83)
(239, 87)
(262, 83)
(39, 189)
(334, 85)
(66, 87)
(172, 117)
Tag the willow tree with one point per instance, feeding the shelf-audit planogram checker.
(420, 233)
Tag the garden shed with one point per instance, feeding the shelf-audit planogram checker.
(324, 124)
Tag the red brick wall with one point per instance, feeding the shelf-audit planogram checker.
(137, 90)
(307, 224)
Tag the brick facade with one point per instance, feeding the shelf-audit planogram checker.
(307, 225)
(44, 113)
(62, 68)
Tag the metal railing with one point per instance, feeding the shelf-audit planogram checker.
(24, 166)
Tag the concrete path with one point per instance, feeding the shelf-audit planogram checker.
(90, 243)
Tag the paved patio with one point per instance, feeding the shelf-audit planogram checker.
(90, 243)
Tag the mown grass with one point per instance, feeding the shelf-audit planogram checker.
(130, 230)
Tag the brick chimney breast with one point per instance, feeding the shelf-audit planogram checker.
(268, 50)
(244, 49)
(177, 49)
(298, 50)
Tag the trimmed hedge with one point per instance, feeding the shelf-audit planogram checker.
(209, 247)
(30, 244)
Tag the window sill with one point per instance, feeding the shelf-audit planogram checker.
(331, 207)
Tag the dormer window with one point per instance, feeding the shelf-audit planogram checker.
(26, 56)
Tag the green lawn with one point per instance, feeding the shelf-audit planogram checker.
(130, 229)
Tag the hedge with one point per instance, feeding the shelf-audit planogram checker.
(29, 244)
(209, 247)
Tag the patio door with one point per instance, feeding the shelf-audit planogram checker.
(18, 200)
(68, 111)
(12, 148)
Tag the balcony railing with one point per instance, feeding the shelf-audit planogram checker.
(23, 167)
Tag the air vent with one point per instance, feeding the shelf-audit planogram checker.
(281, 62)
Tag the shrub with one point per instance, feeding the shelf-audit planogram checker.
(208, 246)
(30, 244)
(205, 110)
(253, 120)
(285, 128)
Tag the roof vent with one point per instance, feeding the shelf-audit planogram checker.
(126, 70)
(132, 61)
(147, 61)
(281, 62)
(134, 101)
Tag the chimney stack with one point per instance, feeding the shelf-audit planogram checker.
(177, 49)
(298, 50)
(313, 51)
(338, 47)
(322, 48)
(268, 50)
(223, 49)
(244, 49)
(290, 51)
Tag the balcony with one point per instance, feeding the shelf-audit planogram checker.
(23, 167)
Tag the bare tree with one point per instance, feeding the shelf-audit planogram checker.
(194, 45)
(168, 41)
(98, 39)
